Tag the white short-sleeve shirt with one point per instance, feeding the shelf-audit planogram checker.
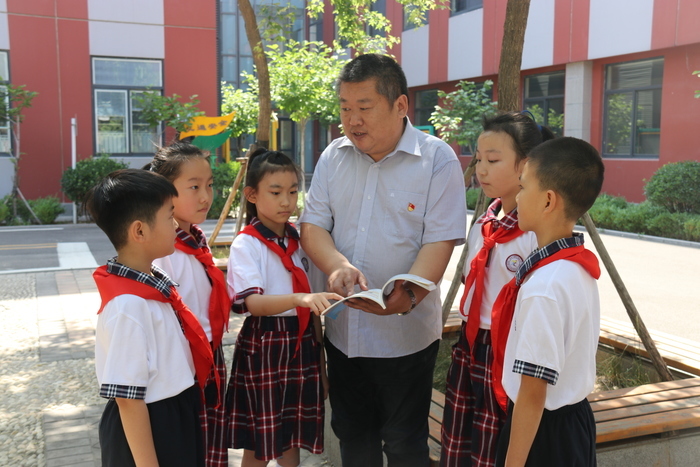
(380, 214)
(504, 261)
(193, 284)
(139, 343)
(254, 268)
(555, 328)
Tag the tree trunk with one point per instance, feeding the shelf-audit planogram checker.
(260, 59)
(512, 54)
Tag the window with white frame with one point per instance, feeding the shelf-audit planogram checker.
(119, 125)
(5, 130)
(632, 114)
(544, 97)
(462, 6)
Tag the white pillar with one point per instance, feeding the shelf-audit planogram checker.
(577, 98)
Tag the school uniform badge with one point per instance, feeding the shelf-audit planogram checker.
(513, 262)
(411, 207)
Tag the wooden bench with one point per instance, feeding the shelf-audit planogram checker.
(678, 353)
(621, 415)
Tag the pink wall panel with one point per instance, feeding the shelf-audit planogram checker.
(437, 58)
(663, 27)
(33, 62)
(201, 14)
(190, 66)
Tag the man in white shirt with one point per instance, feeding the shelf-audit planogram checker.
(385, 199)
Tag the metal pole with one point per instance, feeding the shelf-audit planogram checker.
(73, 135)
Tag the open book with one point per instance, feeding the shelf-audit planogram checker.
(377, 295)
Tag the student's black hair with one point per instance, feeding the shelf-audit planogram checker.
(125, 196)
(168, 160)
(389, 78)
(261, 163)
(524, 132)
(571, 168)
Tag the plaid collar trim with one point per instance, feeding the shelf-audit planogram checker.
(159, 280)
(548, 250)
(196, 239)
(289, 230)
(508, 222)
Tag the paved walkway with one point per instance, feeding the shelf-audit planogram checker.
(65, 304)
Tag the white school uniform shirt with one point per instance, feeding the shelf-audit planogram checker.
(254, 268)
(555, 332)
(139, 344)
(505, 260)
(193, 284)
(379, 215)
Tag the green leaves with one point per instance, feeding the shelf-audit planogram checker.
(302, 77)
(18, 99)
(458, 117)
(245, 104)
(156, 108)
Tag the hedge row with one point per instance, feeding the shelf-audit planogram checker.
(615, 213)
(46, 209)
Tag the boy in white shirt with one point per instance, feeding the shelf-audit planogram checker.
(549, 366)
(148, 344)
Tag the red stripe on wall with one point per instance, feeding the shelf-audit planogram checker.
(190, 66)
(186, 13)
(580, 20)
(494, 18)
(679, 111)
(394, 13)
(75, 89)
(72, 9)
(190, 54)
(663, 26)
(32, 7)
(33, 63)
(562, 30)
(438, 37)
(688, 22)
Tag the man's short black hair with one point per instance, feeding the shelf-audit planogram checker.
(387, 73)
(125, 196)
(572, 168)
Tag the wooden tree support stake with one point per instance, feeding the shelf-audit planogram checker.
(229, 201)
(478, 211)
(637, 322)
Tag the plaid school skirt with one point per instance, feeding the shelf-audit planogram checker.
(213, 413)
(472, 419)
(275, 398)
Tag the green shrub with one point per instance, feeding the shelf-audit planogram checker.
(4, 210)
(224, 175)
(635, 217)
(472, 196)
(667, 224)
(46, 209)
(75, 183)
(691, 228)
(675, 187)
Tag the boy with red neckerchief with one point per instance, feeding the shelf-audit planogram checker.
(549, 364)
(148, 343)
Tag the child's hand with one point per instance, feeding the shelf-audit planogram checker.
(317, 302)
